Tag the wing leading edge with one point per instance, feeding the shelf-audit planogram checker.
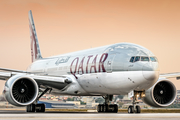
(57, 82)
(170, 75)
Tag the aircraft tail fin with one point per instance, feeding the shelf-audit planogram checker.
(35, 49)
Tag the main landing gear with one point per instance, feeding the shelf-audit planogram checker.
(106, 107)
(37, 107)
(135, 108)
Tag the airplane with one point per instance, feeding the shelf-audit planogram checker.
(117, 69)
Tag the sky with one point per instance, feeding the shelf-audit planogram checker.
(65, 26)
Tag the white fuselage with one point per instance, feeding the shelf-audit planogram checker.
(103, 70)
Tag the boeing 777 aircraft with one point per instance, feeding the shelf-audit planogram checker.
(116, 69)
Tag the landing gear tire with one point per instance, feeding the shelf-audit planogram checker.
(115, 108)
(30, 108)
(35, 108)
(40, 108)
(98, 108)
(138, 109)
(107, 108)
(101, 108)
(130, 109)
(135, 108)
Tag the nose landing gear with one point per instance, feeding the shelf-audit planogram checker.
(136, 108)
(132, 110)
(106, 107)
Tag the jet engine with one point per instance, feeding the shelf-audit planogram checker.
(21, 90)
(162, 94)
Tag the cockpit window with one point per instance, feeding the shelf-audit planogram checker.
(144, 58)
(132, 59)
(137, 58)
(153, 59)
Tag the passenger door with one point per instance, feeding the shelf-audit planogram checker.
(110, 62)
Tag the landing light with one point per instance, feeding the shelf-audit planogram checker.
(143, 94)
(137, 95)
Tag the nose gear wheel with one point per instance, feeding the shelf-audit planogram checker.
(135, 108)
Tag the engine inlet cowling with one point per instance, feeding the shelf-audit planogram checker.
(21, 90)
(162, 94)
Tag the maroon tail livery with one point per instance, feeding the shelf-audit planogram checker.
(35, 50)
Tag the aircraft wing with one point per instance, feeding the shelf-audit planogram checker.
(7, 73)
(13, 70)
(57, 82)
(170, 75)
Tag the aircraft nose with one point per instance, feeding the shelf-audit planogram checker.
(151, 71)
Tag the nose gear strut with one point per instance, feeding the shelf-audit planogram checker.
(136, 108)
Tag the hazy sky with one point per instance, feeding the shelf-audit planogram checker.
(70, 25)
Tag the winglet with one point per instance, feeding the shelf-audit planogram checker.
(35, 49)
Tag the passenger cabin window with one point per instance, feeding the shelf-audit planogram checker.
(144, 58)
(153, 59)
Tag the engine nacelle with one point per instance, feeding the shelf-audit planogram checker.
(21, 90)
(162, 94)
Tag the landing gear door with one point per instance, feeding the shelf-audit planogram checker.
(110, 62)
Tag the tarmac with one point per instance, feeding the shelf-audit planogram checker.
(22, 115)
